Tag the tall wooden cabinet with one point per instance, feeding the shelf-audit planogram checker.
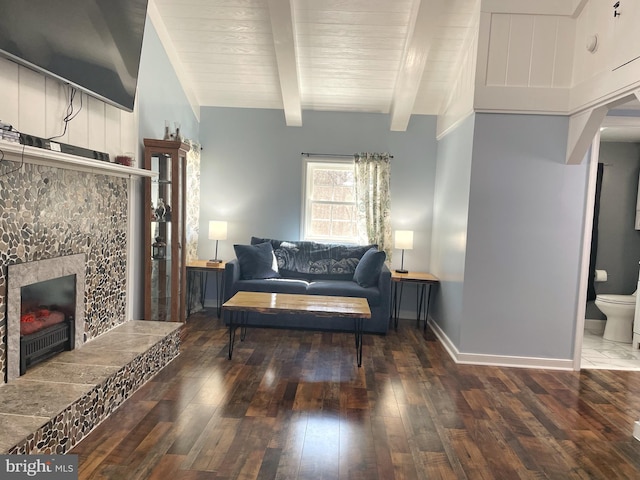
(164, 230)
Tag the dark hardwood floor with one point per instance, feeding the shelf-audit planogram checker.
(294, 405)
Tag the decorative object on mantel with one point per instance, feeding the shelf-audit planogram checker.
(167, 133)
(217, 231)
(159, 250)
(403, 241)
(125, 159)
(7, 132)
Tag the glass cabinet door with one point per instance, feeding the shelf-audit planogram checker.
(165, 274)
(160, 225)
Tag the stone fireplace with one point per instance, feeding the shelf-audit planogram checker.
(57, 218)
(25, 274)
(65, 216)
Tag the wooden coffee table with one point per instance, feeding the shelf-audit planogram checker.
(242, 303)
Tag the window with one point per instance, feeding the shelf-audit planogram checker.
(329, 213)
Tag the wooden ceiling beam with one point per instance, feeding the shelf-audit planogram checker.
(419, 43)
(281, 14)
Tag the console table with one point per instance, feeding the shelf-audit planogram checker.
(203, 268)
(422, 280)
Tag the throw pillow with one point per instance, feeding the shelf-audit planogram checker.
(256, 261)
(369, 267)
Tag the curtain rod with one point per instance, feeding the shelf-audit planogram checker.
(332, 155)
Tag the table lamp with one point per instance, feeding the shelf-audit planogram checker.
(403, 241)
(217, 231)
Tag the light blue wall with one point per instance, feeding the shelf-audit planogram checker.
(252, 173)
(451, 209)
(160, 97)
(524, 237)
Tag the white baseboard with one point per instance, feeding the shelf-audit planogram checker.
(497, 360)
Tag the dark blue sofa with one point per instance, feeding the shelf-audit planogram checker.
(315, 269)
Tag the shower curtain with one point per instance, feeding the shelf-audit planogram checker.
(591, 289)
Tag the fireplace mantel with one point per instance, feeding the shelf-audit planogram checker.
(41, 156)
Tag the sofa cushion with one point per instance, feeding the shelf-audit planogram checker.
(369, 267)
(256, 261)
(272, 285)
(344, 288)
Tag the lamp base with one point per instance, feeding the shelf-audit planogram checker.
(215, 260)
(399, 270)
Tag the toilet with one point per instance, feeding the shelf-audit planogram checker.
(620, 310)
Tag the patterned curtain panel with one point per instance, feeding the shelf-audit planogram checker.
(192, 185)
(373, 199)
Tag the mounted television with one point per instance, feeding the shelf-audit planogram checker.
(93, 45)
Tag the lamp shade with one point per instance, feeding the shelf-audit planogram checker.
(403, 239)
(217, 230)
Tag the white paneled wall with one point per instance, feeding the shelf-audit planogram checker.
(529, 62)
(36, 105)
(524, 62)
(530, 50)
(31, 93)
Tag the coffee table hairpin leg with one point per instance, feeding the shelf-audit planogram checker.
(359, 327)
(242, 323)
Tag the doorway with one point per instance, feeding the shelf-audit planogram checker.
(615, 243)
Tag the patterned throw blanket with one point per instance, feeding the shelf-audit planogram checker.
(303, 259)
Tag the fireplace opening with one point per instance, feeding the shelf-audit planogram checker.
(47, 325)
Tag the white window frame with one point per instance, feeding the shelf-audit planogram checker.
(308, 166)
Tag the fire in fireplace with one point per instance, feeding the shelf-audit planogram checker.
(46, 319)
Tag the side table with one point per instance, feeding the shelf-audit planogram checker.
(422, 280)
(203, 268)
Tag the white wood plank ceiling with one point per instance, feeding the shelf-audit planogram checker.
(387, 56)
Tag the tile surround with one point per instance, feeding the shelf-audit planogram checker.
(22, 274)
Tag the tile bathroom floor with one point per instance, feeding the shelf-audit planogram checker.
(605, 354)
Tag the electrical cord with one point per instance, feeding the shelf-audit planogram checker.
(71, 114)
(70, 111)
